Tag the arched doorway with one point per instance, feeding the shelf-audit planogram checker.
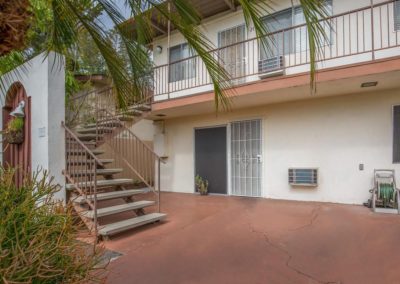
(18, 156)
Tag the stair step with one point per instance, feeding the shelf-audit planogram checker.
(124, 117)
(88, 137)
(93, 130)
(99, 172)
(118, 209)
(88, 144)
(101, 183)
(128, 224)
(112, 195)
(81, 152)
(142, 107)
(132, 112)
(87, 161)
(107, 123)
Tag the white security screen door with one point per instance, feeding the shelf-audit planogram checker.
(246, 158)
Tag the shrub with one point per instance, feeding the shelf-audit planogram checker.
(15, 124)
(38, 236)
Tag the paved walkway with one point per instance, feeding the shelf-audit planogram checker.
(217, 239)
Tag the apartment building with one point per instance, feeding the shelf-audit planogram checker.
(281, 140)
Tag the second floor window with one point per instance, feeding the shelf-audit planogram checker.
(396, 10)
(291, 40)
(181, 65)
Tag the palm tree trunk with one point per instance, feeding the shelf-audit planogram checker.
(15, 19)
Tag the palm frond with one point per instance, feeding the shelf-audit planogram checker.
(314, 11)
(182, 17)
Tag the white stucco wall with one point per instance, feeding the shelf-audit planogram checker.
(334, 134)
(144, 129)
(44, 81)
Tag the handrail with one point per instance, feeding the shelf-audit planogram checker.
(133, 152)
(215, 50)
(130, 132)
(89, 152)
(81, 172)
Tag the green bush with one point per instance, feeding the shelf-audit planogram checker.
(16, 124)
(38, 236)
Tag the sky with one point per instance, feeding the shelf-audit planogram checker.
(123, 10)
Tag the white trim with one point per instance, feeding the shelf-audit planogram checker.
(261, 149)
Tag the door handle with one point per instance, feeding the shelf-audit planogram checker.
(259, 158)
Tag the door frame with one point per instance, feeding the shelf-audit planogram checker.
(227, 155)
(263, 151)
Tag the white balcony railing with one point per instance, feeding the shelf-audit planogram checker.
(356, 36)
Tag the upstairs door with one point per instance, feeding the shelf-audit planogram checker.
(246, 158)
(211, 157)
(232, 52)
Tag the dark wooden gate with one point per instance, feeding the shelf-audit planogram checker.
(18, 156)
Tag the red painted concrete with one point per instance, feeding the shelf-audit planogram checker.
(218, 239)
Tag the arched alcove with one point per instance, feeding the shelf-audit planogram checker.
(18, 156)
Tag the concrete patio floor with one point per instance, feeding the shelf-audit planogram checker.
(218, 239)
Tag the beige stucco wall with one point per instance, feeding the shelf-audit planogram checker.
(334, 134)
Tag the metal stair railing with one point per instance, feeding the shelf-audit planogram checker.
(131, 151)
(81, 171)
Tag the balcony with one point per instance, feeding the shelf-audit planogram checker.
(355, 37)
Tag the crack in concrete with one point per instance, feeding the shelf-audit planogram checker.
(314, 216)
(289, 256)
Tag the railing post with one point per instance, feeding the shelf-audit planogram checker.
(159, 184)
(372, 30)
(169, 46)
(96, 109)
(95, 203)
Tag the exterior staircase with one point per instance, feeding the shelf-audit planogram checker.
(111, 174)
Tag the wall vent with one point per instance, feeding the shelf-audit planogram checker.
(303, 176)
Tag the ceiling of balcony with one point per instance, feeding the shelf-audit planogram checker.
(206, 8)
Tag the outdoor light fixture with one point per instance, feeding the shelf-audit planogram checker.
(369, 84)
(19, 110)
(159, 49)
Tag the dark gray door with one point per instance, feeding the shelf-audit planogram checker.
(210, 157)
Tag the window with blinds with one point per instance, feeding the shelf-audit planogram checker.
(232, 51)
(179, 68)
(290, 40)
(396, 16)
(396, 134)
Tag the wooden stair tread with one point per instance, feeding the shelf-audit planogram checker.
(111, 195)
(118, 208)
(88, 137)
(81, 152)
(128, 224)
(141, 107)
(101, 183)
(107, 123)
(92, 130)
(100, 172)
(132, 112)
(80, 162)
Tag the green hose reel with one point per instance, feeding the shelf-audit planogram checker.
(386, 193)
